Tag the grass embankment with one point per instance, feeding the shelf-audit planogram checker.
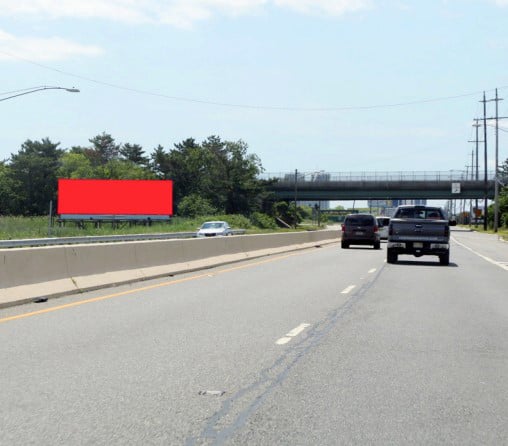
(15, 228)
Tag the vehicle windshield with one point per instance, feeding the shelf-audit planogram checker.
(360, 221)
(420, 213)
(212, 225)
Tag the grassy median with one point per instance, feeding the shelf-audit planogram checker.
(16, 228)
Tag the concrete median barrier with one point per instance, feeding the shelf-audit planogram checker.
(30, 273)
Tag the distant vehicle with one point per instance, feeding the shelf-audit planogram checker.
(419, 231)
(360, 229)
(383, 223)
(214, 228)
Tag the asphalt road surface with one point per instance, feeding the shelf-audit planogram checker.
(324, 346)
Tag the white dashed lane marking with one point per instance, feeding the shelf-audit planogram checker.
(348, 289)
(291, 334)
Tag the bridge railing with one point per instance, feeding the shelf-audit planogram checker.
(430, 176)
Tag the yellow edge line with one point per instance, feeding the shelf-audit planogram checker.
(137, 290)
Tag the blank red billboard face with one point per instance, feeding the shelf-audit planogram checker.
(115, 197)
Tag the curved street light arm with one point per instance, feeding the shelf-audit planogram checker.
(70, 90)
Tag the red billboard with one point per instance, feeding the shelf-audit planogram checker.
(115, 197)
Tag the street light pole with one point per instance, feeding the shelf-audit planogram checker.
(70, 90)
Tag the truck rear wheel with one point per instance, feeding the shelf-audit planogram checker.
(391, 257)
(444, 259)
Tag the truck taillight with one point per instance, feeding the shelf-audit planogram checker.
(376, 228)
(447, 231)
(343, 227)
(390, 230)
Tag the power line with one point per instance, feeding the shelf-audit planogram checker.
(247, 106)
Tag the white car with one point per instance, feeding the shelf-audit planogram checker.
(383, 223)
(214, 228)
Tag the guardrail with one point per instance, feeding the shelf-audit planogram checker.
(53, 241)
(432, 176)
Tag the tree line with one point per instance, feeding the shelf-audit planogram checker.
(211, 177)
(214, 176)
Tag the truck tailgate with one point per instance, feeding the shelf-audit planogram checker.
(417, 229)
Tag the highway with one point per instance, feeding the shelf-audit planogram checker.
(321, 346)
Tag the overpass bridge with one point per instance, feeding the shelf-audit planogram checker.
(315, 186)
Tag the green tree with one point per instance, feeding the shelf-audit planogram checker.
(103, 149)
(117, 169)
(233, 182)
(188, 165)
(221, 172)
(5, 189)
(160, 163)
(32, 174)
(503, 172)
(134, 153)
(75, 165)
(243, 187)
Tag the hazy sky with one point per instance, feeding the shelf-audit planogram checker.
(336, 85)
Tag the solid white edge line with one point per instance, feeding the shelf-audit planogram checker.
(488, 259)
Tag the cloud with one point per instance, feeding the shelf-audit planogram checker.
(119, 10)
(179, 13)
(38, 49)
(328, 7)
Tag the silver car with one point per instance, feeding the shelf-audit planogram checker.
(214, 228)
(383, 224)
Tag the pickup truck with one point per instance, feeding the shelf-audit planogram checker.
(418, 231)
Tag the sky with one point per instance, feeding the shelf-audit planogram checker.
(334, 85)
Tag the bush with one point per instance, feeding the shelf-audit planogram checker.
(194, 205)
(263, 221)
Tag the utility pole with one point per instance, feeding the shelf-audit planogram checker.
(485, 181)
(471, 213)
(496, 171)
(496, 183)
(476, 125)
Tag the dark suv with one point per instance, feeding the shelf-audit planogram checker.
(360, 229)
